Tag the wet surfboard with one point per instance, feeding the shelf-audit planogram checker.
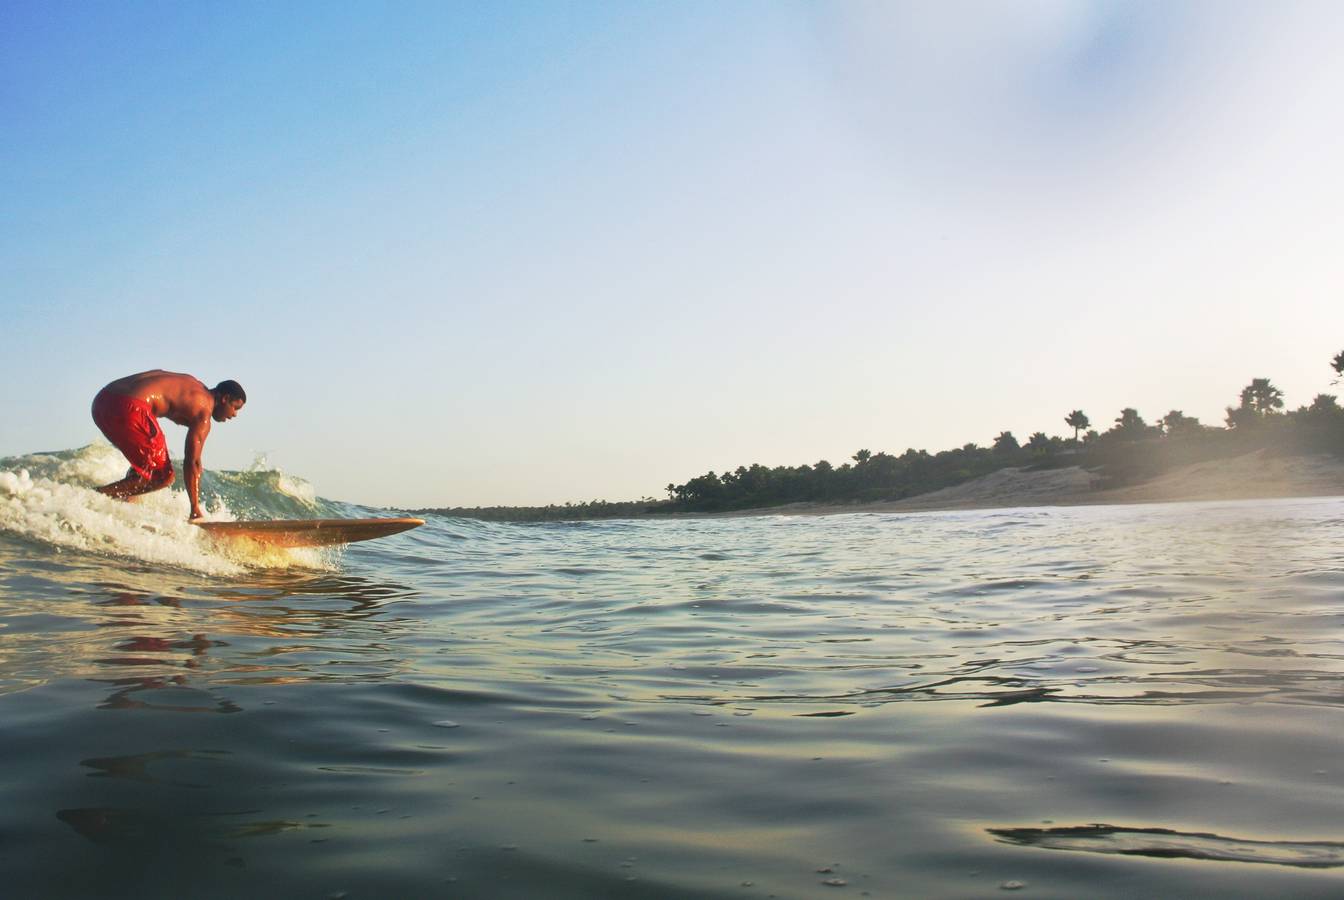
(310, 532)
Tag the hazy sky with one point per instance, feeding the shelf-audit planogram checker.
(524, 253)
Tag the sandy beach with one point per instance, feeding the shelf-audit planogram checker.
(1258, 475)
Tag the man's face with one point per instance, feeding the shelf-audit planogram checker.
(227, 408)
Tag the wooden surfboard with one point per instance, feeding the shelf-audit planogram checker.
(310, 532)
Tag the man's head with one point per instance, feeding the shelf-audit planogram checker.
(229, 398)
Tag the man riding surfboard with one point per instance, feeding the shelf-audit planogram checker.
(127, 412)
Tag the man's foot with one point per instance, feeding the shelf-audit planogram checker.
(130, 486)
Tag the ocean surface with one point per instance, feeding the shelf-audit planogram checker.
(1123, 701)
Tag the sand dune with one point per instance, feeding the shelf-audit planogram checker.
(1253, 476)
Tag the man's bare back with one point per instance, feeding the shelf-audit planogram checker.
(171, 395)
(126, 409)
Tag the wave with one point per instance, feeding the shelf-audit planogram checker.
(50, 498)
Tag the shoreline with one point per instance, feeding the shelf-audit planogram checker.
(1255, 476)
(908, 506)
(1259, 475)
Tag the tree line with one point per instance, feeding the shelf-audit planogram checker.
(1130, 449)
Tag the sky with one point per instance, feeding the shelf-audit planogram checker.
(527, 253)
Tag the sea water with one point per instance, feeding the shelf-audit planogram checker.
(1124, 701)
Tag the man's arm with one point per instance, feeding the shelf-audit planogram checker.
(197, 432)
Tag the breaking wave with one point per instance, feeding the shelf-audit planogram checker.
(50, 498)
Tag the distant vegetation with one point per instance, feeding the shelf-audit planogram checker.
(593, 509)
(1130, 450)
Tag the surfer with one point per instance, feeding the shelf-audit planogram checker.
(127, 412)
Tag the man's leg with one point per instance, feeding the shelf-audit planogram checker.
(130, 426)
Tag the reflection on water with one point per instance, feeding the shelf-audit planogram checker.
(58, 626)
(775, 706)
(1167, 844)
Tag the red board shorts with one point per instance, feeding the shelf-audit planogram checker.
(131, 427)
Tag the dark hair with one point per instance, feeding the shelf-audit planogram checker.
(231, 389)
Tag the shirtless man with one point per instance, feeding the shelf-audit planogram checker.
(127, 410)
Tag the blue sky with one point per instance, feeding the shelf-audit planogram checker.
(527, 253)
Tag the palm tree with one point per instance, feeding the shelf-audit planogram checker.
(1077, 420)
(862, 456)
(1261, 397)
(1338, 365)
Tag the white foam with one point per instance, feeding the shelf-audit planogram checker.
(61, 508)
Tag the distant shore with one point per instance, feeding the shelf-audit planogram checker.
(1259, 475)
(1254, 476)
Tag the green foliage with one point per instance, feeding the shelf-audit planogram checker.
(1240, 418)
(1318, 428)
(1324, 405)
(880, 476)
(593, 509)
(1178, 424)
(1338, 365)
(1039, 444)
(1129, 426)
